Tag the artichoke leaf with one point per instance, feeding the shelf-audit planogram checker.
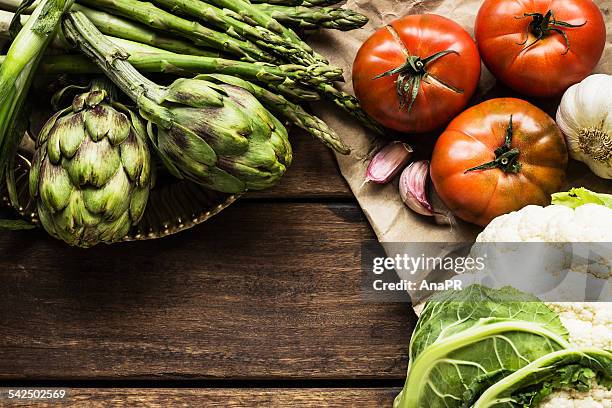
(110, 201)
(95, 163)
(55, 187)
(65, 137)
(226, 131)
(194, 93)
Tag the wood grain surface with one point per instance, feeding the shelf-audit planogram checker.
(226, 398)
(265, 291)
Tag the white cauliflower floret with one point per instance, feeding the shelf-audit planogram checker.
(598, 397)
(589, 325)
(561, 267)
(555, 223)
(590, 223)
(535, 222)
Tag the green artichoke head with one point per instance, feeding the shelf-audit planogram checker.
(218, 136)
(92, 170)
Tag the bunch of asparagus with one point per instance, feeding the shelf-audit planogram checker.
(253, 42)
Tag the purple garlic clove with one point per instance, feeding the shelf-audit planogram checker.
(388, 162)
(413, 187)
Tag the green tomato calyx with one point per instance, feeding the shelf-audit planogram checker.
(412, 73)
(542, 26)
(506, 157)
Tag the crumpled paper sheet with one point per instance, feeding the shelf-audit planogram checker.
(389, 217)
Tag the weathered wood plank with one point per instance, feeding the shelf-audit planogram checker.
(226, 398)
(265, 291)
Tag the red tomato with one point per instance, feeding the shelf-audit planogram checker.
(498, 157)
(423, 89)
(540, 47)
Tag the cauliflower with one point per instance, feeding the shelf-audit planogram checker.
(555, 223)
(580, 216)
(589, 325)
(551, 267)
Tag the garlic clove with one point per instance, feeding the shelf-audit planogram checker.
(388, 162)
(413, 188)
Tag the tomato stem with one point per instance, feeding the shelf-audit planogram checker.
(506, 157)
(542, 25)
(411, 74)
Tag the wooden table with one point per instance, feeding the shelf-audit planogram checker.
(260, 306)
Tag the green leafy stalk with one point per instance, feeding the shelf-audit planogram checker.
(506, 157)
(542, 25)
(148, 59)
(313, 18)
(564, 369)
(20, 67)
(151, 62)
(200, 35)
(411, 74)
(291, 112)
(234, 27)
(295, 91)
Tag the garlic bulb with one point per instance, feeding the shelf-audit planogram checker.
(585, 117)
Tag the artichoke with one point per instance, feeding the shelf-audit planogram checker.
(216, 135)
(92, 171)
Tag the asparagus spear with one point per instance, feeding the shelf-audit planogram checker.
(321, 3)
(115, 26)
(279, 2)
(222, 20)
(252, 15)
(120, 27)
(312, 18)
(305, 3)
(294, 91)
(349, 104)
(157, 18)
(152, 60)
(289, 111)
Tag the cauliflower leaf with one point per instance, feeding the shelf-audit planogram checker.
(580, 196)
(467, 340)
